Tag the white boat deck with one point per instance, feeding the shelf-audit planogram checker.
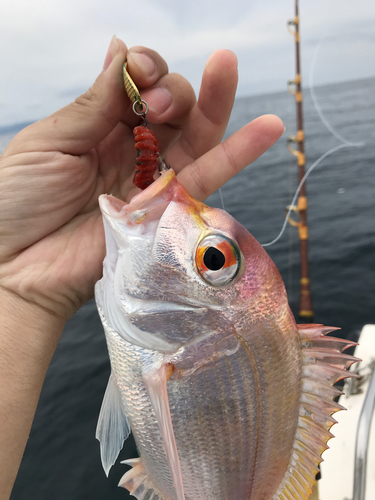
(338, 466)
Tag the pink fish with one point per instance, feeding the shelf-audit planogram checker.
(226, 396)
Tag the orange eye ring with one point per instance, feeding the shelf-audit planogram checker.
(217, 259)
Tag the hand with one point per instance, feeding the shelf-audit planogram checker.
(52, 173)
(51, 232)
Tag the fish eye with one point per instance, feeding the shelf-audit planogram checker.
(213, 259)
(217, 259)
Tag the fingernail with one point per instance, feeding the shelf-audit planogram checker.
(111, 52)
(158, 100)
(144, 63)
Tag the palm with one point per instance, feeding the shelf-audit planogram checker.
(61, 231)
(50, 226)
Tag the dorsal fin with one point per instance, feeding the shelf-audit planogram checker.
(323, 365)
(113, 426)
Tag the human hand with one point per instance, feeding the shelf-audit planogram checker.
(52, 173)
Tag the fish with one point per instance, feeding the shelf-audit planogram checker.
(226, 396)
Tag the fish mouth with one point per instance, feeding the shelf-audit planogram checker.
(150, 204)
(155, 324)
(151, 307)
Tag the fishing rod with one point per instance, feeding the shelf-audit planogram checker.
(305, 312)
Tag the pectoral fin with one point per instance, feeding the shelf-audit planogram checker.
(156, 383)
(113, 426)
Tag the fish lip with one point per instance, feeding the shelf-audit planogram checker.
(133, 311)
(156, 196)
(165, 306)
(150, 204)
(136, 305)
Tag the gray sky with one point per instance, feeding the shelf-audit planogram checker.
(52, 50)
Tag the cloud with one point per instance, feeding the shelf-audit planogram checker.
(51, 49)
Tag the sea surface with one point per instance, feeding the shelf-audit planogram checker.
(62, 460)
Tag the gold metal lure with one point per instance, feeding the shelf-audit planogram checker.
(131, 88)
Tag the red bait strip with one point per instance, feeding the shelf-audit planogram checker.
(146, 143)
(147, 147)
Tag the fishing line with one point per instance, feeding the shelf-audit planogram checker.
(345, 143)
(221, 198)
(317, 105)
(336, 148)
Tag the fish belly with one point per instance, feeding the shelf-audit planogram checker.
(234, 417)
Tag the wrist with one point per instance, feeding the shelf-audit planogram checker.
(27, 328)
(28, 338)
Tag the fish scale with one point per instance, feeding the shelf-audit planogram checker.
(196, 421)
(226, 396)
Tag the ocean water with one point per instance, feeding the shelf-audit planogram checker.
(62, 458)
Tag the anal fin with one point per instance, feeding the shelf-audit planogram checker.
(137, 482)
(113, 427)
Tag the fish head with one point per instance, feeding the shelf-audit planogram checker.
(176, 269)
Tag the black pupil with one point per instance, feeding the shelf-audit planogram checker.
(213, 259)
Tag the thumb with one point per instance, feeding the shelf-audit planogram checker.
(80, 126)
